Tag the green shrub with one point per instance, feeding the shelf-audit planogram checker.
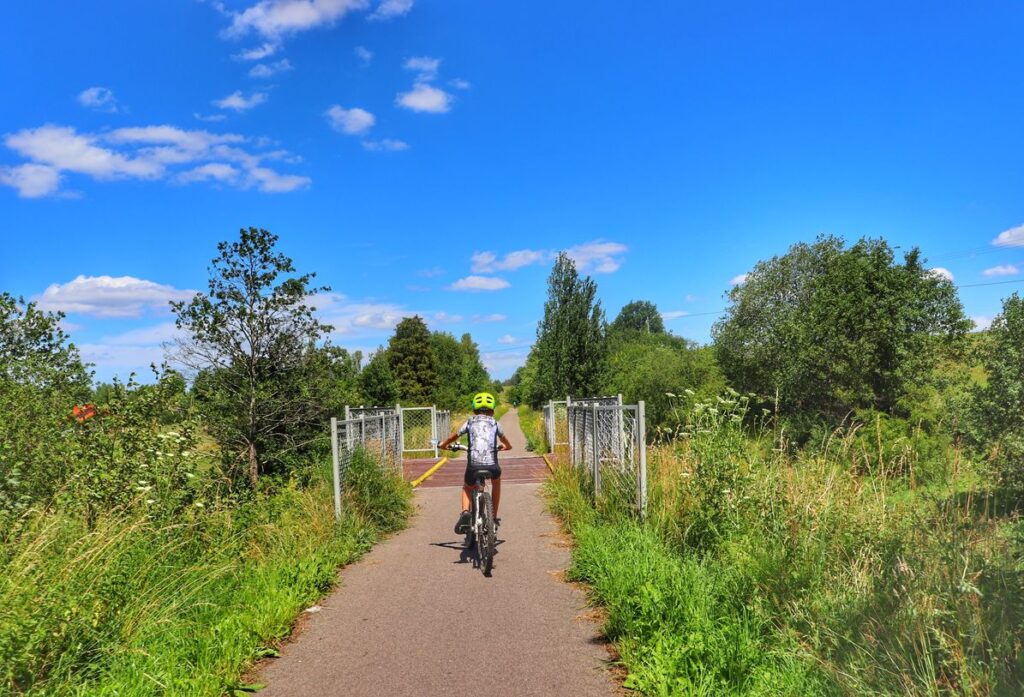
(381, 497)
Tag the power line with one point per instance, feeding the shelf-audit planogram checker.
(990, 283)
(965, 285)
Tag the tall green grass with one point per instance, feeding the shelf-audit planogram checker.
(532, 423)
(761, 570)
(132, 606)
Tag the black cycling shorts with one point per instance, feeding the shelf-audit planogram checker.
(471, 473)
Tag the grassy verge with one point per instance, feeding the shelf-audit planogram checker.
(532, 423)
(138, 607)
(760, 572)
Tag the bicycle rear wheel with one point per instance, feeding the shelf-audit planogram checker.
(487, 541)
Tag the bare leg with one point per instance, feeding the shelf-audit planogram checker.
(465, 497)
(496, 493)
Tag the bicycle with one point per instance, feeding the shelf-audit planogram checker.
(482, 524)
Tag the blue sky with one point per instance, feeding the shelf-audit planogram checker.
(429, 156)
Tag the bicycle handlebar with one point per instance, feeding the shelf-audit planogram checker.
(456, 447)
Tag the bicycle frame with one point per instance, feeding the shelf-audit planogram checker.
(481, 522)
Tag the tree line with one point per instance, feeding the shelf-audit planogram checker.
(263, 379)
(825, 332)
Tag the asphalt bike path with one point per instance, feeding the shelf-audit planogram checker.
(414, 617)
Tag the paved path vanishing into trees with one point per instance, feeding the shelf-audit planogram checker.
(414, 617)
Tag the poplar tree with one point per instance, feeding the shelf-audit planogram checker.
(571, 346)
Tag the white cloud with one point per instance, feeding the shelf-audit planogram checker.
(425, 67)
(475, 283)
(459, 84)
(501, 364)
(188, 141)
(132, 351)
(142, 152)
(349, 317)
(213, 171)
(364, 54)
(259, 53)
(445, 318)
(99, 99)
(388, 9)
(263, 70)
(940, 272)
(507, 339)
(108, 296)
(31, 180)
(981, 323)
(432, 272)
(352, 121)
(273, 19)
(210, 117)
(64, 149)
(1001, 270)
(386, 145)
(488, 262)
(1014, 237)
(239, 102)
(156, 335)
(272, 182)
(674, 314)
(425, 98)
(738, 280)
(115, 359)
(496, 317)
(600, 255)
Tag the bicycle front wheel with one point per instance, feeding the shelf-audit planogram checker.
(487, 539)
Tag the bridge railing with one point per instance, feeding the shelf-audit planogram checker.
(607, 440)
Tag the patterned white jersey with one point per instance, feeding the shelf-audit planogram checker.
(484, 432)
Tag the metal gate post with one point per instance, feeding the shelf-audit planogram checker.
(433, 427)
(571, 431)
(597, 457)
(401, 430)
(335, 468)
(641, 445)
(551, 425)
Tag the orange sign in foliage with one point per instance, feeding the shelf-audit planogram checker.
(83, 413)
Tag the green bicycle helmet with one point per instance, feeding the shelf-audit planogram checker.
(483, 400)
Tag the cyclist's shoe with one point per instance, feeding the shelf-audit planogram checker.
(462, 527)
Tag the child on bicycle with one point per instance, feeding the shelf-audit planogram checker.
(484, 436)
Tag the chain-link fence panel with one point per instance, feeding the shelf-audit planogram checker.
(356, 412)
(442, 424)
(607, 441)
(556, 427)
(379, 437)
(419, 431)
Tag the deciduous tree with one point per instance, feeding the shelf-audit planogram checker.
(829, 328)
(253, 336)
